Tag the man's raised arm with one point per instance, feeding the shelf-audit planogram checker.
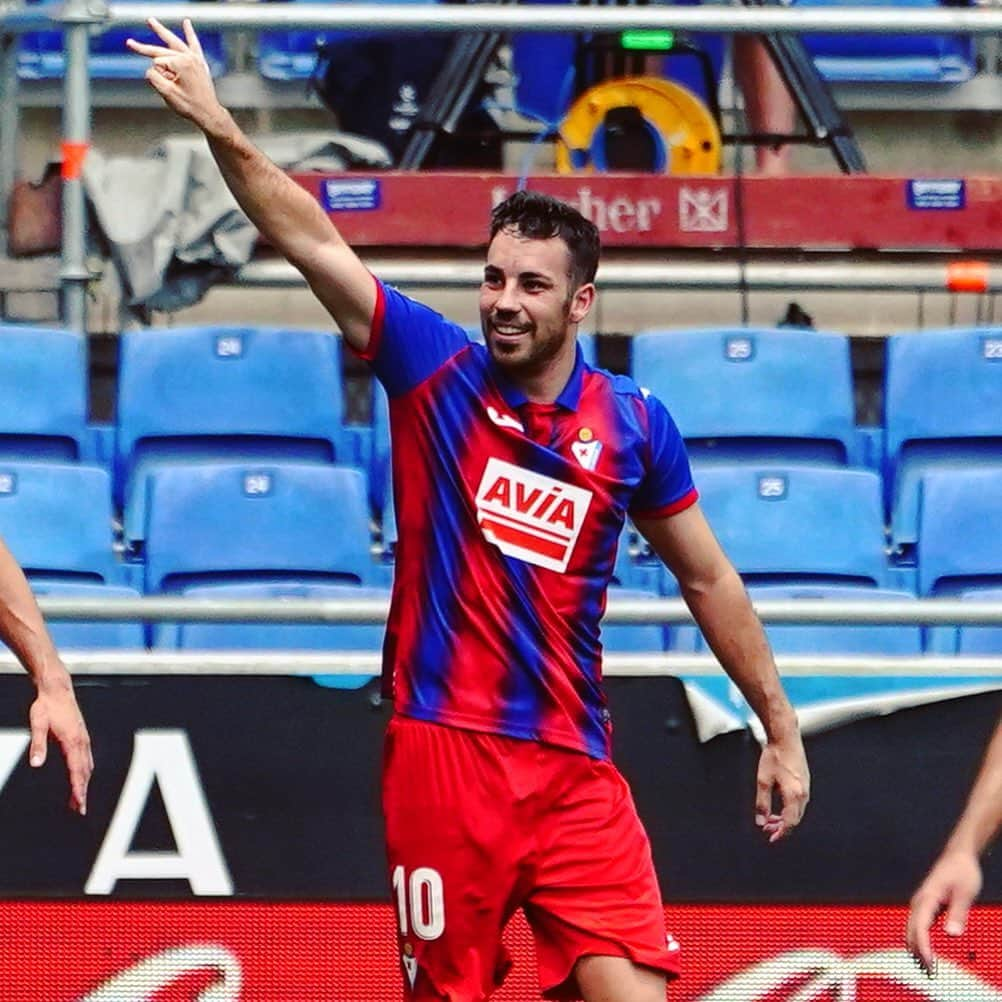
(283, 212)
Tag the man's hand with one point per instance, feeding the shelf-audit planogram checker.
(55, 711)
(782, 770)
(180, 74)
(952, 884)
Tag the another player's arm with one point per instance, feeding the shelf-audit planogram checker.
(55, 708)
(716, 595)
(283, 212)
(955, 878)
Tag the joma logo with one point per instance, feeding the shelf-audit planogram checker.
(530, 516)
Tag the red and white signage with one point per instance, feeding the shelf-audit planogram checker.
(530, 516)
(226, 951)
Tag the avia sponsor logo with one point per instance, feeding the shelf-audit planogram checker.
(821, 975)
(615, 213)
(530, 516)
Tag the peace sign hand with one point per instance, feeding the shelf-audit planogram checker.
(179, 73)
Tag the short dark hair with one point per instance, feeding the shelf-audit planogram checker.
(539, 217)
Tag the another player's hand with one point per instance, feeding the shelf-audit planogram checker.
(55, 712)
(179, 73)
(952, 884)
(782, 771)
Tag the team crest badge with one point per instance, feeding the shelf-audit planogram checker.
(586, 449)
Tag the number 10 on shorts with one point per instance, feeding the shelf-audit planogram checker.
(420, 902)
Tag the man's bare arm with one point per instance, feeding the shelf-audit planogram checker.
(720, 605)
(283, 212)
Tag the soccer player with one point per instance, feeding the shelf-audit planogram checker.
(54, 709)
(515, 465)
(955, 878)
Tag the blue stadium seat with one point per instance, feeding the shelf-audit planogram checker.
(959, 545)
(43, 393)
(292, 55)
(41, 55)
(206, 393)
(824, 638)
(980, 639)
(924, 58)
(943, 411)
(797, 524)
(56, 519)
(366, 637)
(756, 394)
(627, 638)
(91, 635)
(217, 523)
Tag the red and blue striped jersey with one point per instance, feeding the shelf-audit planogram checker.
(509, 514)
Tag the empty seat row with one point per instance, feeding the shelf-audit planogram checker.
(740, 395)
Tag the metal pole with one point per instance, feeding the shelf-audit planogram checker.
(887, 20)
(9, 132)
(77, 16)
(664, 275)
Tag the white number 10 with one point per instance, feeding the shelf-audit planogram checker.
(420, 902)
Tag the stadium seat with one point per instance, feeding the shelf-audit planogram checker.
(41, 56)
(367, 637)
(754, 394)
(824, 638)
(56, 519)
(218, 523)
(87, 634)
(943, 411)
(980, 639)
(634, 637)
(797, 524)
(206, 393)
(43, 393)
(888, 58)
(292, 55)
(959, 545)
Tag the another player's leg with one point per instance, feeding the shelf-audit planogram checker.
(769, 107)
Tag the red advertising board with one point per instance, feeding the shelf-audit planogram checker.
(115, 951)
(636, 211)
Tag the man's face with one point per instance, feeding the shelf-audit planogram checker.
(527, 306)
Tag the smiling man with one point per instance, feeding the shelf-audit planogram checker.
(515, 465)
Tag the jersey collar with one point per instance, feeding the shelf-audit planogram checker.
(569, 397)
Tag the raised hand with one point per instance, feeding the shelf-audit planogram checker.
(179, 73)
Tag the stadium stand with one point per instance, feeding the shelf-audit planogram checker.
(223, 523)
(797, 524)
(43, 386)
(889, 58)
(943, 411)
(56, 519)
(980, 639)
(203, 393)
(755, 394)
(279, 636)
(41, 55)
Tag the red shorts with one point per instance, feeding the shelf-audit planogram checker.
(478, 825)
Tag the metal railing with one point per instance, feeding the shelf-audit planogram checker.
(78, 18)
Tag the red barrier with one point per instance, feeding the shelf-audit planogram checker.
(118, 951)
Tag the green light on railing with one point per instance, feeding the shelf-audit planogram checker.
(651, 41)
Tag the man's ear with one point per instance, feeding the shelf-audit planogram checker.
(581, 302)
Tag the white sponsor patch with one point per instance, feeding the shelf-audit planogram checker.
(529, 516)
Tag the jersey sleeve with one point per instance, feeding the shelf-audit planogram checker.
(408, 341)
(667, 487)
